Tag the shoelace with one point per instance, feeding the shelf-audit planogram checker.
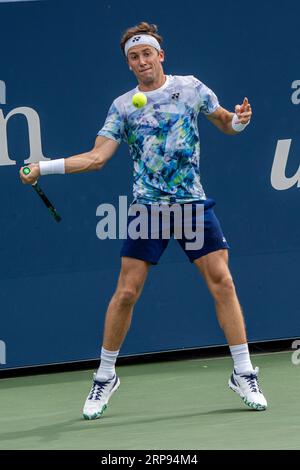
(96, 391)
(252, 382)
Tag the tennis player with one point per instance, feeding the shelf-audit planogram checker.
(164, 143)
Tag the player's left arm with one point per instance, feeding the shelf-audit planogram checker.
(222, 118)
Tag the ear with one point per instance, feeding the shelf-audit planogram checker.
(162, 56)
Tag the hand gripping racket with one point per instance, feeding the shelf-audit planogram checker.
(40, 192)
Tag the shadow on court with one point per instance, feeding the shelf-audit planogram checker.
(53, 431)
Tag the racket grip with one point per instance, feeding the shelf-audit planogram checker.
(26, 171)
(40, 192)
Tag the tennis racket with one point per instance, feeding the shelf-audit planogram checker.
(40, 192)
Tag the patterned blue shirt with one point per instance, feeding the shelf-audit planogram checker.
(163, 138)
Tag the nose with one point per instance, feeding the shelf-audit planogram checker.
(142, 61)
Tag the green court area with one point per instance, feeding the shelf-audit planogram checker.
(182, 404)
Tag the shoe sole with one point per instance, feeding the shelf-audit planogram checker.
(100, 413)
(250, 404)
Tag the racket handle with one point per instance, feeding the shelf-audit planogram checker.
(26, 171)
(40, 192)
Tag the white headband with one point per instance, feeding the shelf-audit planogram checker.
(141, 39)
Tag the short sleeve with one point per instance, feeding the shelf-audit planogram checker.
(208, 100)
(114, 125)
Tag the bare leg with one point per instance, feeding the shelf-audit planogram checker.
(119, 313)
(214, 268)
(117, 321)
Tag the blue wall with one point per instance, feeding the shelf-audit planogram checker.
(62, 59)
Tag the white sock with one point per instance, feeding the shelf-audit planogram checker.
(241, 358)
(106, 369)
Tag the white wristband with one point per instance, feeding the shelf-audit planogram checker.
(53, 167)
(238, 126)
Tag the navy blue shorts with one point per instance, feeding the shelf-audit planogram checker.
(149, 247)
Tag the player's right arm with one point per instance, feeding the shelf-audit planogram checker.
(95, 159)
(107, 142)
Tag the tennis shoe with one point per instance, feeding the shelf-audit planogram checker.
(97, 400)
(247, 387)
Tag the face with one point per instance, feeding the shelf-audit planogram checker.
(146, 63)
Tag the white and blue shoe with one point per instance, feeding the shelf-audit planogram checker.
(97, 400)
(247, 387)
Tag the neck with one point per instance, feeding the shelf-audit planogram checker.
(153, 85)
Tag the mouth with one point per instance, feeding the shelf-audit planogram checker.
(145, 70)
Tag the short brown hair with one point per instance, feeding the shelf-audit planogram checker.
(141, 28)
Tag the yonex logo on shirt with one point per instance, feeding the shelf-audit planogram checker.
(175, 96)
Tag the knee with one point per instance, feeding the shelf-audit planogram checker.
(223, 287)
(126, 296)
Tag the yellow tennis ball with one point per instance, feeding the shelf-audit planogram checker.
(139, 100)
